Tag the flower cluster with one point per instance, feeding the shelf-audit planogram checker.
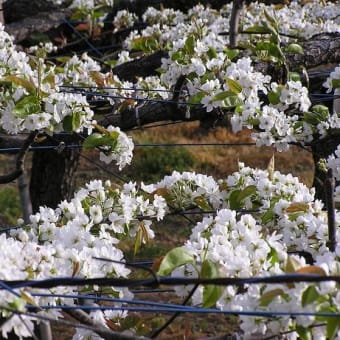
(232, 245)
(297, 18)
(65, 242)
(36, 96)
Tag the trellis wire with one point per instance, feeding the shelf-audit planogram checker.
(167, 281)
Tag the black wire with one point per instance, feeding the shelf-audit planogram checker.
(169, 281)
(175, 315)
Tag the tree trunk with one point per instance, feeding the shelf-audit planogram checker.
(52, 177)
(2, 20)
(321, 150)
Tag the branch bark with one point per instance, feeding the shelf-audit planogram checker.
(102, 331)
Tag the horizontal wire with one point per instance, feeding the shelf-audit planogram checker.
(197, 310)
(137, 99)
(170, 281)
(117, 88)
(78, 146)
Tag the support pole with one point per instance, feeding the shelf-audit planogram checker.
(330, 204)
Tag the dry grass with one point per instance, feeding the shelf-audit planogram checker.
(219, 161)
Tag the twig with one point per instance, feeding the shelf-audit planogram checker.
(161, 329)
(19, 166)
(102, 331)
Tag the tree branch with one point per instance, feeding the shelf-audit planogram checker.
(102, 331)
(19, 165)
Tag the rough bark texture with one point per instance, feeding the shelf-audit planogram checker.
(52, 177)
(16, 10)
(322, 149)
(2, 20)
(41, 22)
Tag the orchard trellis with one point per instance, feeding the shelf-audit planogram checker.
(257, 224)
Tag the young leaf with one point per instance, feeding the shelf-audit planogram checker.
(294, 48)
(336, 83)
(269, 296)
(93, 141)
(26, 106)
(271, 20)
(29, 86)
(234, 86)
(175, 258)
(231, 54)
(76, 120)
(202, 203)
(211, 293)
(189, 45)
(234, 202)
(304, 333)
(309, 296)
(246, 192)
(274, 97)
(258, 29)
(332, 327)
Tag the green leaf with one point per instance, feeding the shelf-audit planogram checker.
(231, 54)
(336, 83)
(211, 293)
(294, 48)
(321, 110)
(63, 59)
(309, 296)
(196, 98)
(234, 202)
(258, 29)
(268, 216)
(93, 141)
(202, 203)
(145, 44)
(76, 120)
(212, 53)
(234, 86)
(222, 95)
(26, 106)
(269, 296)
(271, 20)
(332, 327)
(304, 333)
(173, 259)
(319, 113)
(294, 76)
(232, 101)
(273, 256)
(189, 45)
(246, 192)
(274, 97)
(178, 56)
